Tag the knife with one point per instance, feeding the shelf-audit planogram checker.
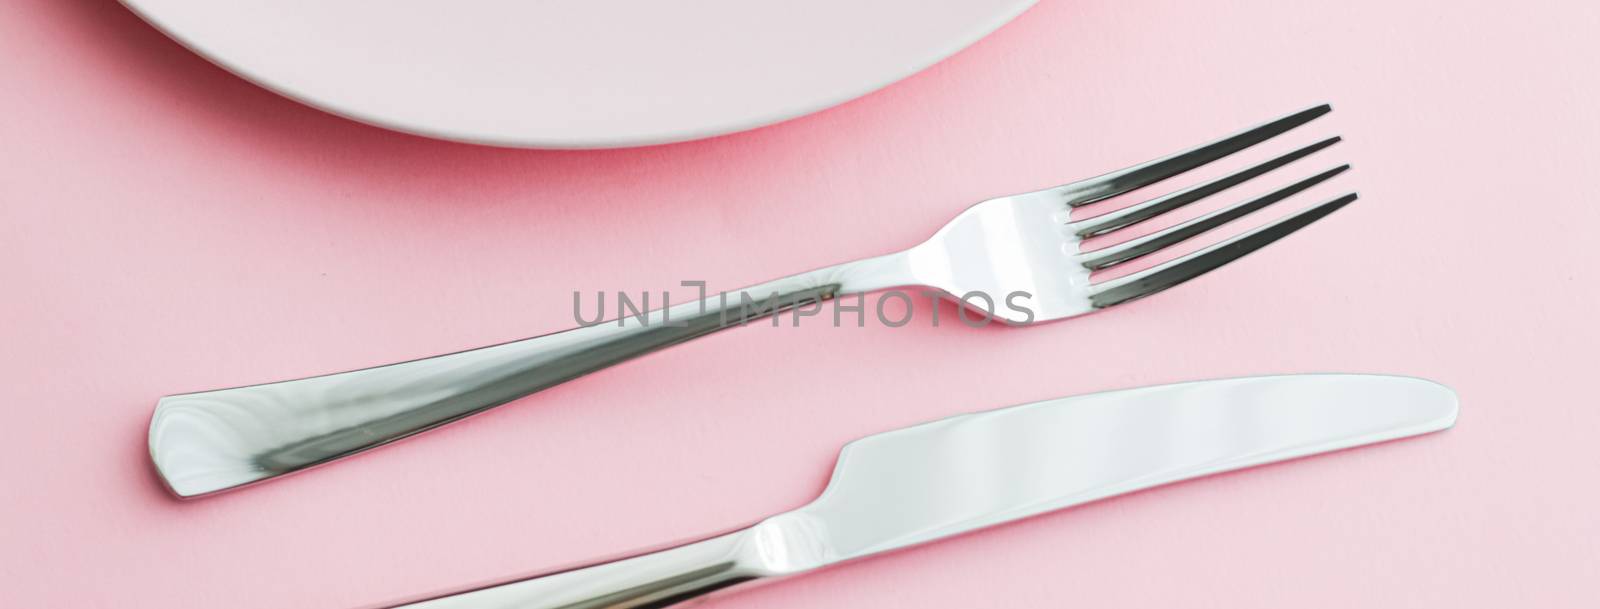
(955, 475)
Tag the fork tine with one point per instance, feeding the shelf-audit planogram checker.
(1135, 248)
(1135, 214)
(1158, 278)
(1147, 173)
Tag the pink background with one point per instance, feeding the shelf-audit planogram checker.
(167, 227)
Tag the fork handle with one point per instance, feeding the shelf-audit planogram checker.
(216, 440)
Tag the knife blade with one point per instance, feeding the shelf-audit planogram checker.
(922, 483)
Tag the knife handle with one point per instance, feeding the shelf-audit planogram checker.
(216, 440)
(656, 579)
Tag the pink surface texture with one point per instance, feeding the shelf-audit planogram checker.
(168, 227)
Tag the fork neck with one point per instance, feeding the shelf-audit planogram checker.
(860, 276)
(815, 286)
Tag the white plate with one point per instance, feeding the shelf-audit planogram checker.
(575, 73)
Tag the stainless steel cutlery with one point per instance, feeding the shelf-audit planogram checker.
(1028, 243)
(896, 489)
(963, 473)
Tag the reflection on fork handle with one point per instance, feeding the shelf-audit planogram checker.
(216, 440)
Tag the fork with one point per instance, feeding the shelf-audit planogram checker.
(1024, 244)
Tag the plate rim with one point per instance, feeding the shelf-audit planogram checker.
(674, 135)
